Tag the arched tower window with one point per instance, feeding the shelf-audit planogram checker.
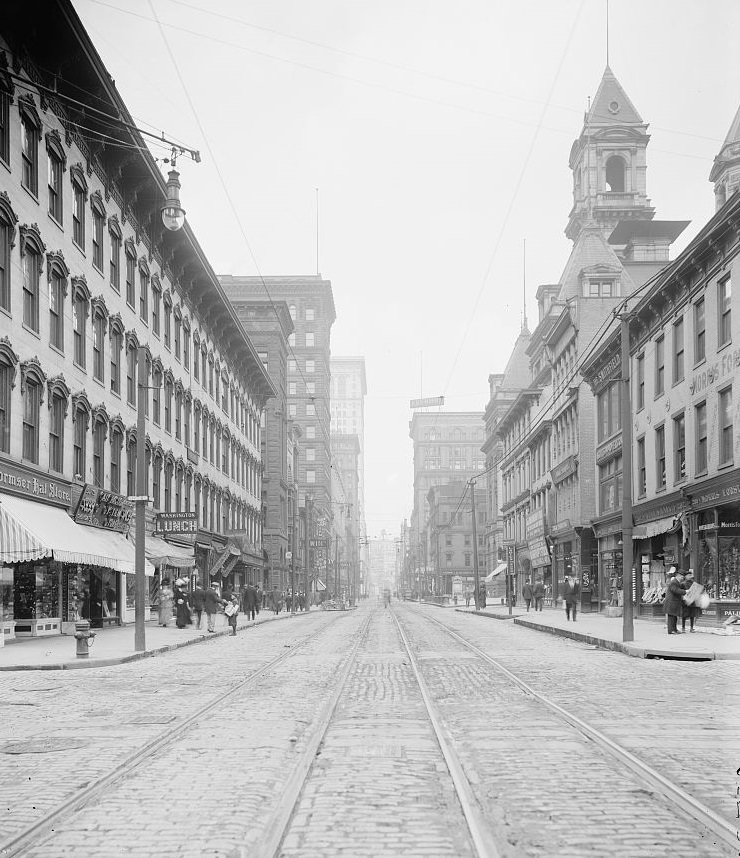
(615, 168)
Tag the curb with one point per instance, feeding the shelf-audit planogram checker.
(485, 613)
(83, 663)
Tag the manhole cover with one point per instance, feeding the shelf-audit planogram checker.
(43, 746)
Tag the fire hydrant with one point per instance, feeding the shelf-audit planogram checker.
(84, 636)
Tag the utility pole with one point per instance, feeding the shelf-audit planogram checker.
(475, 546)
(307, 556)
(628, 630)
(293, 552)
(141, 499)
(337, 581)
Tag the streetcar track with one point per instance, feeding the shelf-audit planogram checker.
(19, 842)
(656, 782)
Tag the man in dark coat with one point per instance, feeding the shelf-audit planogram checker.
(199, 603)
(539, 595)
(674, 600)
(212, 602)
(250, 601)
(571, 594)
(527, 594)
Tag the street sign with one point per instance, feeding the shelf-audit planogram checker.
(318, 543)
(428, 402)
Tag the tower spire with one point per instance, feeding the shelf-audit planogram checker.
(607, 33)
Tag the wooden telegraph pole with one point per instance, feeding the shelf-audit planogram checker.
(475, 546)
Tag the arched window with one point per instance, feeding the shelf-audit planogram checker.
(99, 326)
(116, 445)
(116, 344)
(100, 434)
(156, 478)
(57, 164)
(615, 169)
(196, 426)
(116, 241)
(8, 220)
(32, 248)
(144, 290)
(8, 365)
(80, 421)
(30, 136)
(80, 309)
(187, 405)
(167, 321)
(156, 304)
(132, 344)
(168, 385)
(169, 467)
(196, 359)
(178, 410)
(58, 401)
(79, 197)
(131, 462)
(32, 391)
(157, 375)
(57, 274)
(98, 229)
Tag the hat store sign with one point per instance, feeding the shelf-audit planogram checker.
(176, 522)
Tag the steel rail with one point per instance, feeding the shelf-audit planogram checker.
(18, 843)
(657, 782)
(274, 833)
(480, 833)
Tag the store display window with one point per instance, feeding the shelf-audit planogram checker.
(611, 577)
(91, 593)
(36, 591)
(6, 594)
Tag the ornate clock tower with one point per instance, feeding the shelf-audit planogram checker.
(726, 168)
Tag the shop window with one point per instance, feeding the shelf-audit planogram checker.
(57, 409)
(31, 275)
(31, 414)
(678, 351)
(700, 424)
(660, 474)
(724, 310)
(725, 427)
(36, 591)
(659, 366)
(91, 593)
(679, 448)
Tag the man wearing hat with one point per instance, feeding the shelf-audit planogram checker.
(675, 590)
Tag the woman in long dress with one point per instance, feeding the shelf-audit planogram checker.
(182, 609)
(165, 602)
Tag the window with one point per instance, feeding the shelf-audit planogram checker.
(80, 444)
(178, 415)
(699, 332)
(156, 480)
(225, 455)
(156, 298)
(79, 325)
(310, 433)
(115, 256)
(55, 169)
(186, 348)
(5, 96)
(203, 366)
(700, 418)
(225, 395)
(610, 485)
(196, 428)
(99, 433)
(31, 273)
(98, 345)
(131, 374)
(601, 289)
(659, 366)
(6, 381)
(309, 339)
(57, 288)
(724, 310)
(679, 448)
(309, 314)
(467, 558)
(168, 486)
(609, 412)
(310, 410)
(292, 410)
(168, 405)
(116, 443)
(641, 469)
(56, 432)
(310, 476)
(78, 214)
(29, 153)
(130, 279)
(210, 377)
(291, 339)
(725, 427)
(310, 454)
(292, 388)
(292, 364)
(31, 408)
(660, 477)
(144, 296)
(168, 324)
(310, 366)
(178, 332)
(131, 467)
(310, 388)
(116, 343)
(678, 349)
(186, 423)
(6, 237)
(615, 169)
(98, 228)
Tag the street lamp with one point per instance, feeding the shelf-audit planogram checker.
(173, 214)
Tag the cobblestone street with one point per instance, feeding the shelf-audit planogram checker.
(379, 784)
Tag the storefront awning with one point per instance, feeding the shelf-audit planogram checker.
(654, 528)
(162, 553)
(502, 567)
(31, 531)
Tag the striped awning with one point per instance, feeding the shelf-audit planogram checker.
(31, 531)
(497, 571)
(161, 553)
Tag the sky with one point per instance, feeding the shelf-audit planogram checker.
(438, 135)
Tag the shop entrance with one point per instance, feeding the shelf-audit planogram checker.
(92, 593)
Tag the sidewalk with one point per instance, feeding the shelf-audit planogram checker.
(651, 639)
(115, 645)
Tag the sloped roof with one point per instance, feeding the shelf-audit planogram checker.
(591, 250)
(611, 104)
(733, 135)
(516, 374)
